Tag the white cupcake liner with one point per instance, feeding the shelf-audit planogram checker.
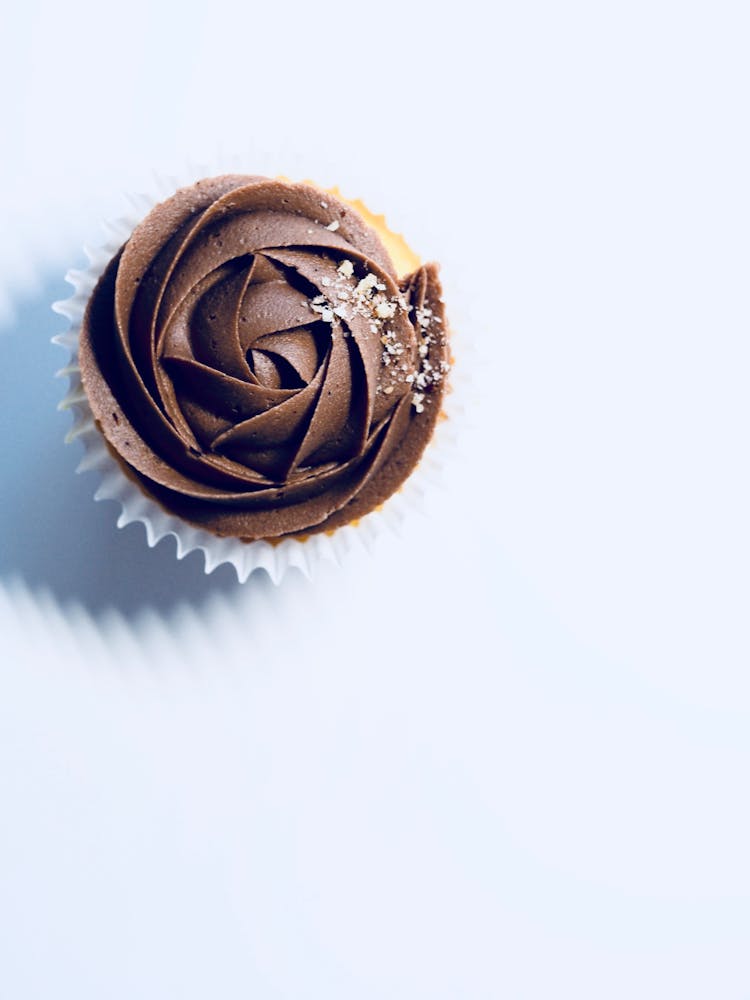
(246, 557)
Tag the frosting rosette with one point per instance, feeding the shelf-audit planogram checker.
(255, 363)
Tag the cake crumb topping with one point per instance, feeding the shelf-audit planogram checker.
(385, 310)
(366, 284)
(368, 299)
(365, 299)
(428, 374)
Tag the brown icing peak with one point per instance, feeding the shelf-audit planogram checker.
(251, 356)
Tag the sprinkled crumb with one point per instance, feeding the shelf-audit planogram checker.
(427, 374)
(366, 284)
(349, 298)
(385, 310)
(324, 204)
(333, 226)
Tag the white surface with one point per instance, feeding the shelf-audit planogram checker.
(506, 755)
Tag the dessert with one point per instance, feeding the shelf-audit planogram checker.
(255, 363)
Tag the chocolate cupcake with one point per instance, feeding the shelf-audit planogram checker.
(256, 365)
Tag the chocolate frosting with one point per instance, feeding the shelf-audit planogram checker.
(253, 360)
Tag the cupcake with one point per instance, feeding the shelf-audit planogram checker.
(256, 364)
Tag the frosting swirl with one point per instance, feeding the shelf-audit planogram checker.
(252, 358)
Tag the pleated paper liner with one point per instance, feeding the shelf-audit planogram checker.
(276, 557)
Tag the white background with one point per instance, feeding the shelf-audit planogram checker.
(505, 755)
